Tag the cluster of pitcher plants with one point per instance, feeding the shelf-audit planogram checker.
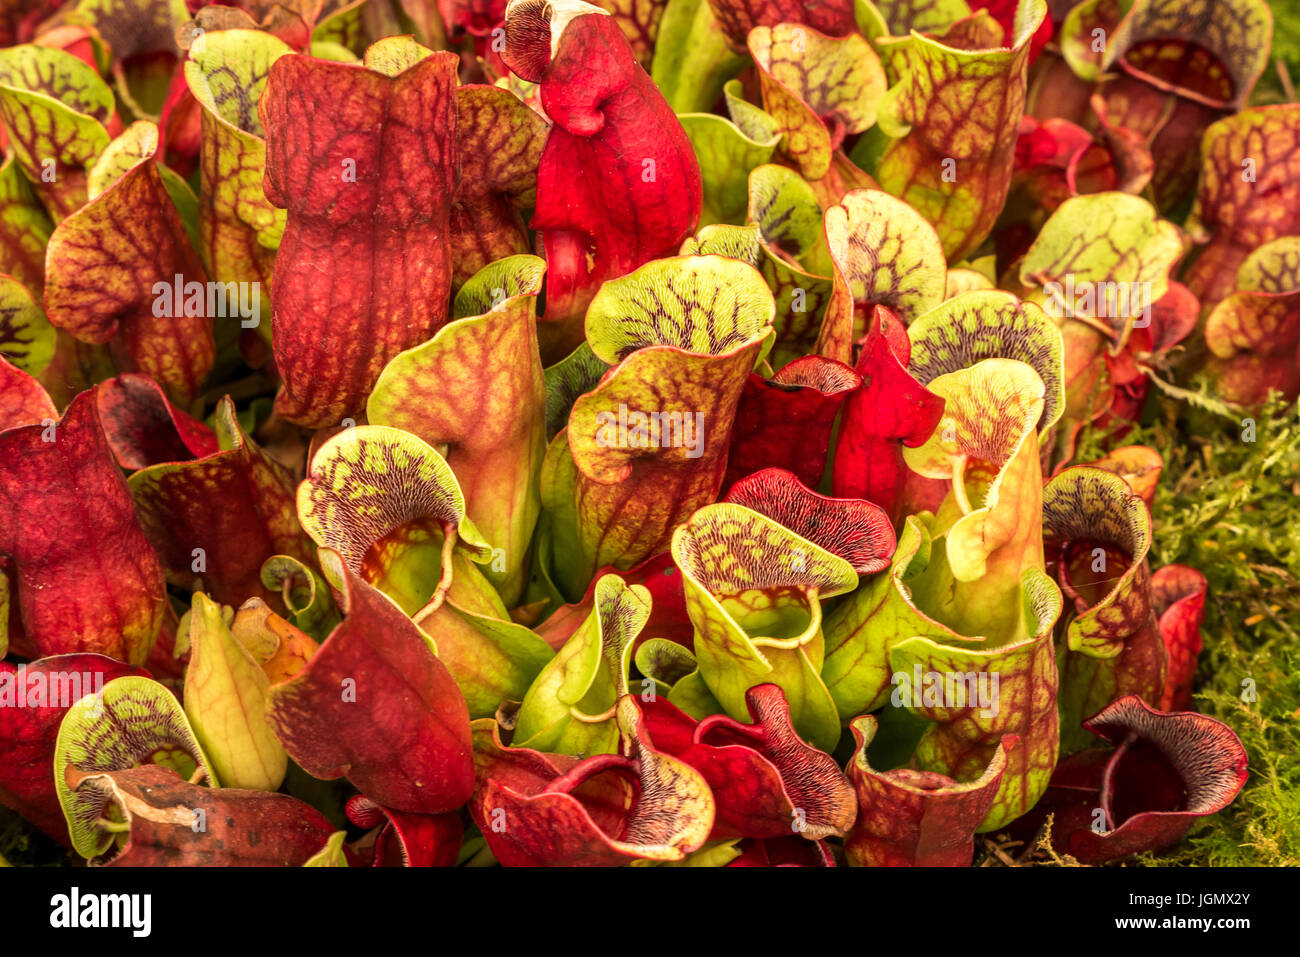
(635, 433)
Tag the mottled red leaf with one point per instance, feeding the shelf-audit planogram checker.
(738, 17)
(240, 828)
(377, 706)
(618, 184)
(856, 530)
(500, 141)
(28, 730)
(215, 519)
(786, 420)
(144, 428)
(117, 269)
(914, 818)
(768, 783)
(1249, 194)
(1178, 597)
(408, 840)
(84, 575)
(365, 165)
(539, 809)
(1173, 69)
(891, 410)
(22, 400)
(1167, 769)
(955, 111)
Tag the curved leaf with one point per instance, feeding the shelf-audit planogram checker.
(239, 229)
(491, 423)
(122, 269)
(381, 498)
(500, 142)
(990, 518)
(23, 401)
(55, 109)
(1104, 260)
(84, 575)
(739, 17)
(753, 592)
(884, 253)
(978, 325)
(1166, 771)
(727, 150)
(554, 810)
(857, 531)
(917, 818)
(144, 428)
(767, 782)
(955, 110)
(35, 698)
(168, 822)
(1175, 68)
(570, 707)
(130, 722)
(26, 336)
(222, 549)
(376, 705)
(1249, 194)
(818, 89)
(24, 226)
(1021, 677)
(684, 334)
(1254, 334)
(1098, 533)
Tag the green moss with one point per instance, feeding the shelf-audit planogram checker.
(1277, 84)
(1227, 506)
